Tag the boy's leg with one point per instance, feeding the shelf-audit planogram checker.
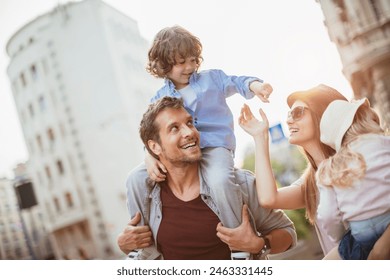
(218, 173)
(367, 232)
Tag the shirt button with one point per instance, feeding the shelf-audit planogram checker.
(158, 217)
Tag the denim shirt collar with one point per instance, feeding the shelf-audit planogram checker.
(204, 189)
(171, 85)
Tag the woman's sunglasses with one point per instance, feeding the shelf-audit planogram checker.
(297, 113)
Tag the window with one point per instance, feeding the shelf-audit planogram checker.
(23, 79)
(33, 71)
(50, 135)
(31, 110)
(60, 167)
(48, 173)
(39, 142)
(69, 199)
(42, 103)
(57, 204)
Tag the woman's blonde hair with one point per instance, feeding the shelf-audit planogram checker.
(347, 166)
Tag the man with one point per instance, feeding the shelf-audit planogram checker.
(181, 212)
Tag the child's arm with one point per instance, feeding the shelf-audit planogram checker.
(261, 90)
(155, 168)
(268, 194)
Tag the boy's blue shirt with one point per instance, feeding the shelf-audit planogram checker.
(212, 116)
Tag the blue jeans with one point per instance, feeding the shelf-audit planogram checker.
(358, 242)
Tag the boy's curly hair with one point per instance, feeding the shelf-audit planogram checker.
(169, 43)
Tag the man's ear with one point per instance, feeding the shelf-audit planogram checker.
(154, 147)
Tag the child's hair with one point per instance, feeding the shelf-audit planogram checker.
(169, 43)
(347, 166)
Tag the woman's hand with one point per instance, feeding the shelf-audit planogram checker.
(251, 125)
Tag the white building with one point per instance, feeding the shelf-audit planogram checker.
(361, 31)
(80, 87)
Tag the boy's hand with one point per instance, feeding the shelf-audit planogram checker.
(261, 90)
(155, 168)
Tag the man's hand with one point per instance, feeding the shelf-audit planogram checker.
(241, 238)
(134, 237)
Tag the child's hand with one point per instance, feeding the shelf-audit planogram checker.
(251, 125)
(261, 90)
(155, 168)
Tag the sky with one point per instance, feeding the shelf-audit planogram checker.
(283, 42)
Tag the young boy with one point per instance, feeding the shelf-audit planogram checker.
(176, 56)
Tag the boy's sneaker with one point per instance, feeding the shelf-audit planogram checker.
(133, 255)
(240, 255)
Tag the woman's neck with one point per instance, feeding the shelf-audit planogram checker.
(316, 153)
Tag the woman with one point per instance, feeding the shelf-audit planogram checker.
(303, 122)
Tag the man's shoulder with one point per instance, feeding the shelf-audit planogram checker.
(244, 176)
(138, 177)
(163, 91)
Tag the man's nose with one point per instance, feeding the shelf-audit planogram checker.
(187, 131)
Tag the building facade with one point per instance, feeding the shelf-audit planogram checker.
(13, 245)
(361, 31)
(80, 87)
(22, 232)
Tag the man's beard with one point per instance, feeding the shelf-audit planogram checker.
(182, 160)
